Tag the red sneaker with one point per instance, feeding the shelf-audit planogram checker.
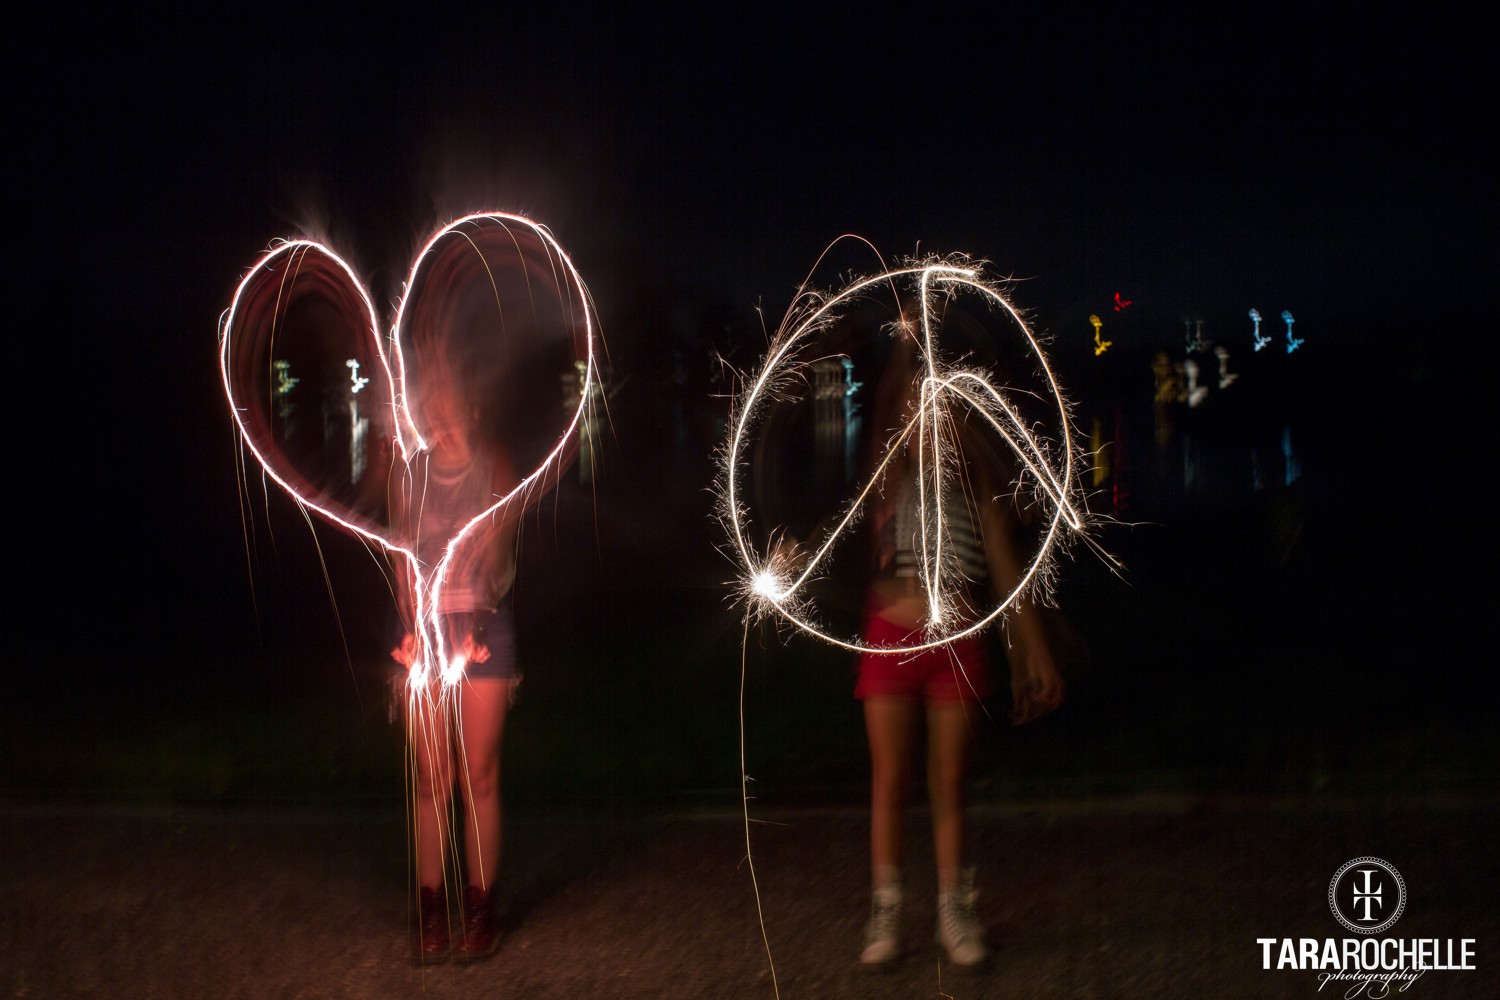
(431, 943)
(481, 929)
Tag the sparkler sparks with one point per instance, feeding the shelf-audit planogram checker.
(476, 285)
(776, 580)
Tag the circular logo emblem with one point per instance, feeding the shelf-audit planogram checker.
(1367, 895)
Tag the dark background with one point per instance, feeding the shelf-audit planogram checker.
(173, 637)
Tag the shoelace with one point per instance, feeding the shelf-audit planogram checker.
(960, 917)
(884, 915)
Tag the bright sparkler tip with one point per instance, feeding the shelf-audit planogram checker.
(454, 671)
(768, 585)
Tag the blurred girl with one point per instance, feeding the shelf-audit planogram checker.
(945, 685)
(454, 737)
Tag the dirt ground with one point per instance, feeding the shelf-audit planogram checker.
(1132, 898)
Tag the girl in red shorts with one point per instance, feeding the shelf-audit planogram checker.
(945, 683)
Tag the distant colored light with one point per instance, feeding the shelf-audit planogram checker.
(356, 381)
(1260, 341)
(1292, 343)
(1100, 346)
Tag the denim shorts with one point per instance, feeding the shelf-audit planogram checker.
(492, 630)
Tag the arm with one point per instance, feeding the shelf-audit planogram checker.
(404, 587)
(1036, 684)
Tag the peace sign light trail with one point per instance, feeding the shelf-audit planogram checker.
(776, 581)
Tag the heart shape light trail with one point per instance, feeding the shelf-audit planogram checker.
(776, 580)
(482, 291)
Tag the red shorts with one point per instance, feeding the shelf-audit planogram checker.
(957, 672)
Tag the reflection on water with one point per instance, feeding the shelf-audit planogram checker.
(836, 414)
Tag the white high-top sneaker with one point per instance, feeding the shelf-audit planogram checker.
(958, 929)
(883, 932)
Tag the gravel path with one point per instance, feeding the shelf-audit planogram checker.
(1133, 899)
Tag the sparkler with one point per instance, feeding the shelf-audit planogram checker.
(774, 581)
(301, 296)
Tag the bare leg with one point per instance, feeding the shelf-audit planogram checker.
(482, 708)
(948, 740)
(890, 724)
(430, 743)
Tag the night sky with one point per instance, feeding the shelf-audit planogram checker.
(1198, 162)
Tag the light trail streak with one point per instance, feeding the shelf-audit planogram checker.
(773, 583)
(293, 270)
